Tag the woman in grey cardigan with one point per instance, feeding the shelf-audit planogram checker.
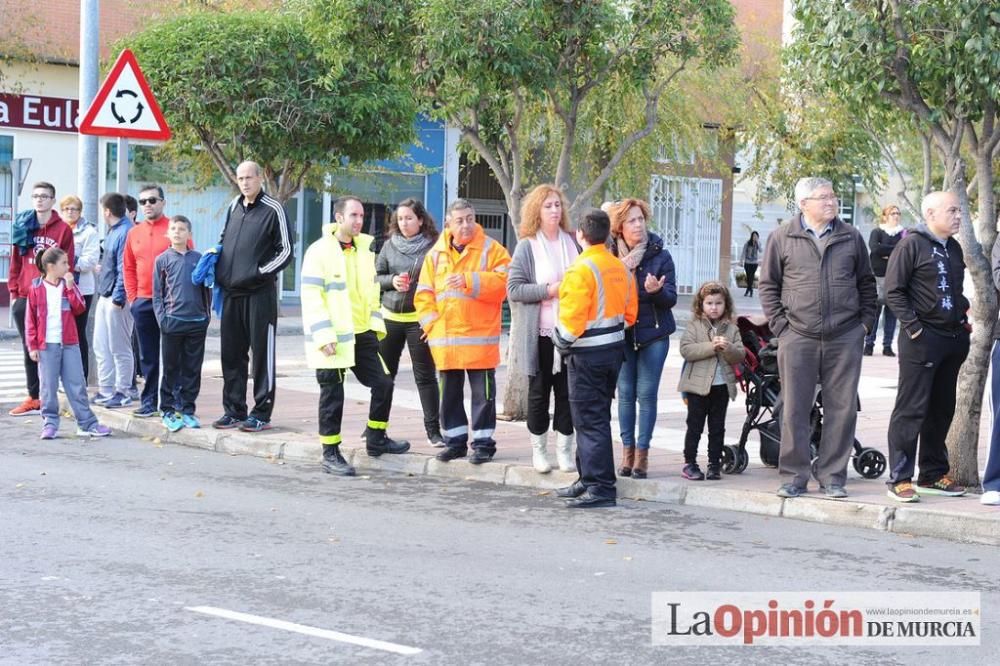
(412, 232)
(543, 254)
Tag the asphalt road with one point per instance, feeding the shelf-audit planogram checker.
(106, 546)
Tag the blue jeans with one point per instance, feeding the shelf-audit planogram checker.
(991, 477)
(639, 379)
(889, 319)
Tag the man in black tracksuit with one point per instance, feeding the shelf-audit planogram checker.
(256, 247)
(924, 289)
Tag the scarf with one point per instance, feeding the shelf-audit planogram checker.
(410, 246)
(895, 231)
(549, 269)
(631, 258)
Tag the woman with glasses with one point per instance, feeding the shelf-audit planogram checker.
(87, 257)
(882, 242)
(648, 341)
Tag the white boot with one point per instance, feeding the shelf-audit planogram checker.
(538, 459)
(564, 452)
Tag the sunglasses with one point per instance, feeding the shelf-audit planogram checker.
(150, 200)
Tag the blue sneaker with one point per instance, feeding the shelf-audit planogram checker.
(100, 398)
(117, 400)
(190, 421)
(254, 424)
(146, 411)
(172, 421)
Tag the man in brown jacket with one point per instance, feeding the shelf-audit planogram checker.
(818, 292)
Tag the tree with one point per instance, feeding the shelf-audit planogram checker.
(936, 63)
(253, 85)
(518, 78)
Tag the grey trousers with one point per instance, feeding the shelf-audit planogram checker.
(835, 365)
(113, 348)
(57, 362)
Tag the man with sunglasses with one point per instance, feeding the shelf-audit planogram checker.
(144, 243)
(35, 231)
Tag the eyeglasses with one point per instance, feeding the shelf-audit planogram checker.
(71, 209)
(825, 197)
(41, 196)
(895, 213)
(150, 200)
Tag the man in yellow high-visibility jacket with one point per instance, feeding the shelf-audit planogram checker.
(342, 322)
(597, 301)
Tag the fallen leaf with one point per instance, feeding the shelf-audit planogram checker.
(199, 494)
(610, 542)
(627, 558)
(20, 485)
(544, 493)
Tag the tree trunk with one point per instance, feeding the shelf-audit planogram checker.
(963, 437)
(515, 390)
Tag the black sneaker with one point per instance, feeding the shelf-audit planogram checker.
(435, 439)
(227, 422)
(791, 490)
(146, 411)
(480, 456)
(887, 351)
(692, 472)
(714, 472)
(451, 453)
(869, 350)
(254, 424)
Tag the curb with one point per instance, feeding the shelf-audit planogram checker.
(953, 526)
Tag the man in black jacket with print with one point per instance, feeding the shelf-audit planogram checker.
(256, 247)
(924, 289)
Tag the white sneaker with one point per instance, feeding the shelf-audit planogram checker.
(990, 498)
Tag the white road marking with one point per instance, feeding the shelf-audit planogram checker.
(306, 630)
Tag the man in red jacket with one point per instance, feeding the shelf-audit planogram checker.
(145, 242)
(51, 231)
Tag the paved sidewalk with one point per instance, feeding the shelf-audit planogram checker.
(294, 438)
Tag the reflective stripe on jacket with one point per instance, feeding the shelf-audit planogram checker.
(463, 325)
(597, 300)
(326, 299)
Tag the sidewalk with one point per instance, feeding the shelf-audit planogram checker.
(294, 439)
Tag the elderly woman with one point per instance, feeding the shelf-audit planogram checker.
(543, 254)
(87, 248)
(411, 233)
(648, 341)
(882, 242)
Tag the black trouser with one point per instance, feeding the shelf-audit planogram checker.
(592, 380)
(81, 332)
(248, 326)
(540, 386)
(713, 408)
(18, 307)
(455, 422)
(407, 334)
(148, 332)
(180, 381)
(751, 272)
(371, 372)
(925, 404)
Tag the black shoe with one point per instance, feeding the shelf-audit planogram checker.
(714, 472)
(887, 351)
(480, 456)
(869, 350)
(572, 491)
(435, 439)
(227, 422)
(451, 453)
(254, 424)
(377, 443)
(334, 462)
(590, 501)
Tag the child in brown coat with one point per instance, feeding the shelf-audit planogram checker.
(710, 346)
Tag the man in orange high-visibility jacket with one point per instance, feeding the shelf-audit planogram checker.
(458, 298)
(597, 301)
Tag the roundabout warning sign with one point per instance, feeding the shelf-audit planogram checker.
(124, 106)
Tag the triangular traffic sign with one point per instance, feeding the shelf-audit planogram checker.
(125, 106)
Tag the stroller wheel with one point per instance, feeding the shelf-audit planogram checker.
(734, 459)
(870, 463)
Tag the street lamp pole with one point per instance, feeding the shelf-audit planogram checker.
(87, 162)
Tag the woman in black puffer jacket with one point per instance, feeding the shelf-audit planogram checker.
(412, 233)
(648, 341)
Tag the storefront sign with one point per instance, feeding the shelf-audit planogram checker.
(33, 112)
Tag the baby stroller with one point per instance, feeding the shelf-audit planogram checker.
(761, 383)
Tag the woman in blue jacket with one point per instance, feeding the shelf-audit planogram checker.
(648, 341)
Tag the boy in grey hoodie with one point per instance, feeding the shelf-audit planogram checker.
(183, 310)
